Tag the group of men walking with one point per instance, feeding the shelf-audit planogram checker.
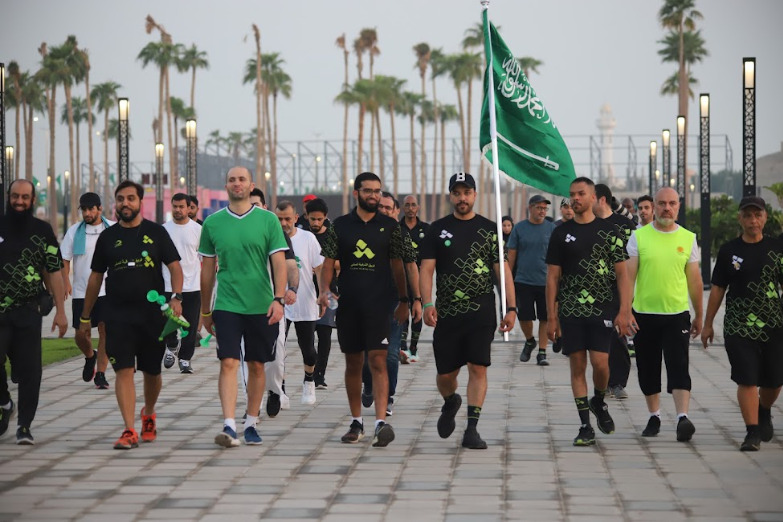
(593, 280)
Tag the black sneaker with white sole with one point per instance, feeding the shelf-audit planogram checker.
(448, 411)
(530, 344)
(601, 412)
(653, 427)
(685, 429)
(384, 434)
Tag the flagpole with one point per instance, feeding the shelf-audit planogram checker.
(495, 169)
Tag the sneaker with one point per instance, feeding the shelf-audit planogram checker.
(766, 431)
(618, 392)
(414, 357)
(185, 367)
(367, 399)
(252, 438)
(631, 349)
(5, 418)
(685, 429)
(168, 359)
(653, 426)
(320, 384)
(384, 434)
(227, 438)
(129, 439)
(285, 402)
(272, 404)
(752, 442)
(100, 381)
(472, 440)
(308, 392)
(527, 350)
(586, 436)
(89, 367)
(148, 427)
(448, 411)
(541, 360)
(557, 345)
(405, 357)
(389, 406)
(355, 433)
(601, 412)
(24, 437)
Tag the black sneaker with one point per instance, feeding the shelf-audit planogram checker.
(766, 431)
(272, 404)
(685, 429)
(557, 345)
(384, 434)
(100, 381)
(367, 398)
(5, 418)
(320, 384)
(527, 350)
(586, 436)
(653, 426)
(24, 437)
(752, 442)
(601, 412)
(355, 433)
(472, 440)
(89, 367)
(389, 406)
(541, 359)
(448, 411)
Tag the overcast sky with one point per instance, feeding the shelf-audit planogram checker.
(596, 52)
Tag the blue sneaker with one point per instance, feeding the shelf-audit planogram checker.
(252, 438)
(227, 438)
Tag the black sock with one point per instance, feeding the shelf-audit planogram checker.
(752, 429)
(309, 376)
(414, 348)
(474, 412)
(450, 398)
(583, 409)
(541, 351)
(599, 394)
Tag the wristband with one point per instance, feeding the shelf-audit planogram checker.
(426, 305)
(206, 314)
(416, 299)
(85, 320)
(511, 309)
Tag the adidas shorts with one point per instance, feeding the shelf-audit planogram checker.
(360, 329)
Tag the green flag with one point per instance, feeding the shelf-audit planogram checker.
(530, 147)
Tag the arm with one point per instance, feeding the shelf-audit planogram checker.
(94, 283)
(412, 271)
(177, 279)
(624, 320)
(275, 312)
(398, 272)
(207, 285)
(696, 292)
(317, 272)
(713, 305)
(507, 323)
(54, 282)
(292, 279)
(425, 288)
(66, 272)
(552, 283)
(512, 257)
(327, 271)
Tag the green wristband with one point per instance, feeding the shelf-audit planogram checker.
(426, 305)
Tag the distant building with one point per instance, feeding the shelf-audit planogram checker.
(606, 125)
(769, 170)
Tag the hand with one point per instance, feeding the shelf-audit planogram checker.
(275, 312)
(323, 300)
(430, 316)
(208, 324)
(696, 327)
(321, 309)
(416, 312)
(61, 322)
(707, 334)
(507, 323)
(552, 328)
(401, 313)
(176, 306)
(625, 324)
(68, 288)
(290, 297)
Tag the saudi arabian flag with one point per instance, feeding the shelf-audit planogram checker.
(530, 147)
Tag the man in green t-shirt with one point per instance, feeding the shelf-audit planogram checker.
(242, 239)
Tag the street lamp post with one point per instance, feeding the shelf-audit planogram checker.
(192, 149)
(123, 140)
(9, 161)
(749, 127)
(3, 171)
(317, 161)
(159, 182)
(666, 157)
(653, 165)
(681, 188)
(704, 173)
(66, 196)
(267, 176)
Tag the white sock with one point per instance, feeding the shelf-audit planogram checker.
(681, 415)
(379, 421)
(358, 419)
(231, 423)
(250, 422)
(655, 414)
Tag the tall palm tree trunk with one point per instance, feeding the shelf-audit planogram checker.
(28, 144)
(79, 184)
(443, 196)
(359, 148)
(413, 155)
(52, 189)
(193, 89)
(173, 158)
(260, 122)
(423, 167)
(72, 182)
(346, 189)
(18, 151)
(90, 164)
(106, 188)
(268, 130)
(273, 152)
(381, 168)
(395, 170)
(372, 140)
(684, 87)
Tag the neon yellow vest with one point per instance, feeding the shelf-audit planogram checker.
(661, 286)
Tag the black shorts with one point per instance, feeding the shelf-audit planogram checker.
(360, 329)
(586, 334)
(756, 363)
(259, 336)
(531, 302)
(136, 345)
(456, 343)
(96, 316)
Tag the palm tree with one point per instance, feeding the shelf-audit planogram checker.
(235, 142)
(192, 59)
(529, 64)
(17, 100)
(426, 116)
(408, 104)
(104, 96)
(79, 108)
(369, 38)
(777, 189)
(356, 95)
(694, 52)
(423, 55)
(359, 49)
(671, 86)
(260, 116)
(87, 97)
(214, 139)
(33, 101)
(389, 87)
(180, 112)
(277, 83)
(447, 113)
(340, 42)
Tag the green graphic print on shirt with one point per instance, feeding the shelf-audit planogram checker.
(22, 279)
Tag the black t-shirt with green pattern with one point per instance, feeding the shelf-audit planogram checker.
(27, 249)
(586, 254)
(753, 274)
(465, 252)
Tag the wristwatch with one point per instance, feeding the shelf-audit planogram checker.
(280, 300)
(177, 296)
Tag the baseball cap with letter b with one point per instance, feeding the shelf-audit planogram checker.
(462, 178)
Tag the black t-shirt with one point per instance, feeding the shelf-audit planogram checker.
(586, 254)
(624, 224)
(753, 274)
(27, 249)
(416, 235)
(333, 286)
(133, 258)
(465, 253)
(364, 250)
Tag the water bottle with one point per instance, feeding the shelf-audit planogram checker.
(332, 302)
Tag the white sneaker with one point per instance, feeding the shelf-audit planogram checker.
(308, 392)
(414, 358)
(168, 359)
(285, 402)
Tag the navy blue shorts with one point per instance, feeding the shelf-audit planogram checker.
(259, 336)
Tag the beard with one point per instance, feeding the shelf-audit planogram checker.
(18, 217)
(133, 214)
(367, 206)
(463, 209)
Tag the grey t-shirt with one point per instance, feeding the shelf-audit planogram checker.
(531, 242)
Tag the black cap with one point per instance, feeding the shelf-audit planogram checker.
(565, 202)
(89, 200)
(462, 178)
(538, 198)
(752, 201)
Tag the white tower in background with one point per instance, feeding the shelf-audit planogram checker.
(606, 125)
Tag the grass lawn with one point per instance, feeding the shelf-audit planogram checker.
(56, 350)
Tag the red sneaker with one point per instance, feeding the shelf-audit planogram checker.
(129, 439)
(148, 427)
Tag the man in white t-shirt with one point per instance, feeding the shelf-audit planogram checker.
(186, 234)
(305, 311)
(77, 248)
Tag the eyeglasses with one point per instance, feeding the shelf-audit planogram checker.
(370, 192)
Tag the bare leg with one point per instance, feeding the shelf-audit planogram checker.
(682, 399)
(527, 329)
(768, 396)
(748, 398)
(653, 402)
(152, 385)
(255, 386)
(542, 338)
(600, 363)
(227, 386)
(353, 382)
(83, 343)
(578, 363)
(103, 359)
(380, 382)
(125, 390)
(447, 383)
(477, 384)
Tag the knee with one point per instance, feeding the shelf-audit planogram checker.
(228, 364)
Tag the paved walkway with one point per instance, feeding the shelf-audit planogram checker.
(530, 471)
